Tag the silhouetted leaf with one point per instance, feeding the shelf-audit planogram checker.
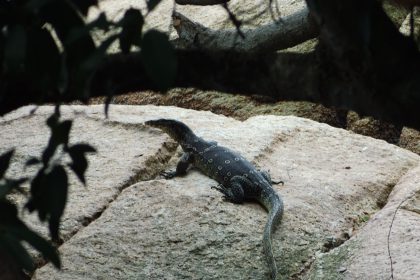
(158, 57)
(91, 63)
(62, 132)
(59, 135)
(10, 184)
(8, 241)
(64, 18)
(88, 67)
(132, 24)
(8, 213)
(13, 246)
(38, 198)
(101, 22)
(5, 161)
(52, 120)
(14, 231)
(107, 103)
(15, 48)
(32, 161)
(56, 188)
(84, 5)
(48, 152)
(151, 4)
(38, 242)
(49, 196)
(44, 61)
(79, 162)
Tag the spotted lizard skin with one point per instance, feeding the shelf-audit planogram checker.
(238, 179)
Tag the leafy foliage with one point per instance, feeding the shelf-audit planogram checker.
(131, 24)
(47, 48)
(12, 230)
(158, 57)
(50, 186)
(48, 194)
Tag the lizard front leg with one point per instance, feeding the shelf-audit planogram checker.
(181, 168)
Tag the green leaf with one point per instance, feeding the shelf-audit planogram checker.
(151, 4)
(5, 161)
(159, 59)
(15, 48)
(132, 24)
(79, 162)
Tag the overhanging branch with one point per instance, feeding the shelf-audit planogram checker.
(371, 69)
(290, 31)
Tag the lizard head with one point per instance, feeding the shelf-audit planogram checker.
(176, 129)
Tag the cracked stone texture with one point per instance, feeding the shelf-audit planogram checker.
(111, 169)
(181, 229)
(367, 255)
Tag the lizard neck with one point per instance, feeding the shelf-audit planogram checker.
(177, 130)
(187, 141)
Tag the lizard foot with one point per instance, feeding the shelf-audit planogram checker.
(168, 174)
(234, 195)
(221, 189)
(277, 182)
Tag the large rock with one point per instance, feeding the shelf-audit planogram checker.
(111, 169)
(338, 207)
(369, 253)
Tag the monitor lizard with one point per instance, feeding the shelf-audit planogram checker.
(238, 179)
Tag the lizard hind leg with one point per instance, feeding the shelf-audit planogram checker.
(234, 193)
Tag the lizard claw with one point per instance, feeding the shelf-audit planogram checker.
(220, 188)
(168, 174)
(277, 182)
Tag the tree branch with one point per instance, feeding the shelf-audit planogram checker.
(201, 2)
(290, 31)
(362, 63)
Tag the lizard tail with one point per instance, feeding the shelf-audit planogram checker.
(274, 217)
